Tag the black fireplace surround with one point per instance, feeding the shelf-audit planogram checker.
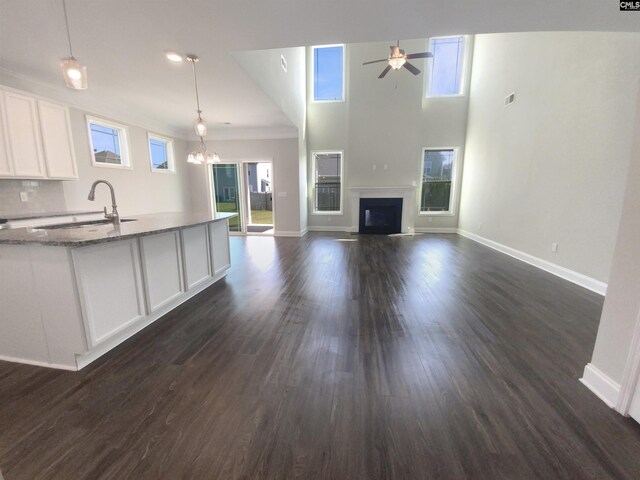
(380, 215)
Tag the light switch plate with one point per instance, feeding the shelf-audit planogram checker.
(24, 197)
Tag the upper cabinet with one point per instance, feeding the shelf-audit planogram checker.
(35, 139)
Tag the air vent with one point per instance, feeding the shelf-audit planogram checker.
(509, 99)
(283, 63)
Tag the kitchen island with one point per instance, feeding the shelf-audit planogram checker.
(70, 293)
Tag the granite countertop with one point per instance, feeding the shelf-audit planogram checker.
(92, 234)
(31, 216)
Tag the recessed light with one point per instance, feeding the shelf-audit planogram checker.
(174, 57)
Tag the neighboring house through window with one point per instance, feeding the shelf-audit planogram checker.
(328, 73)
(108, 143)
(161, 154)
(438, 181)
(446, 68)
(327, 171)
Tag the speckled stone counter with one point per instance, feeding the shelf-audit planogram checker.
(31, 216)
(93, 234)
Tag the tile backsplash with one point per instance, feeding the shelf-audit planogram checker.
(42, 196)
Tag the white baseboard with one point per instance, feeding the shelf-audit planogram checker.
(604, 387)
(574, 277)
(284, 233)
(304, 231)
(435, 230)
(35, 363)
(330, 228)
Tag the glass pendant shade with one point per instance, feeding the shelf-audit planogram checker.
(75, 74)
(201, 127)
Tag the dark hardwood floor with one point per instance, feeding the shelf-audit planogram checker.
(378, 357)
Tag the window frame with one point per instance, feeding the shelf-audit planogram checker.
(454, 183)
(123, 140)
(463, 71)
(314, 153)
(171, 164)
(313, 73)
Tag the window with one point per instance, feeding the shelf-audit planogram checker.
(328, 73)
(327, 172)
(438, 181)
(161, 154)
(229, 193)
(108, 144)
(446, 67)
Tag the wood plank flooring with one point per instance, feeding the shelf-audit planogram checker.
(336, 357)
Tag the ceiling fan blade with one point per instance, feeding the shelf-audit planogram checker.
(376, 61)
(385, 71)
(420, 55)
(411, 68)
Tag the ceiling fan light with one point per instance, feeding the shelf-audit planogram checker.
(201, 127)
(75, 74)
(397, 62)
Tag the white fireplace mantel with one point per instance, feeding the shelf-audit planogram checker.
(406, 192)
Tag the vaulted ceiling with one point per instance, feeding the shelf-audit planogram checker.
(122, 43)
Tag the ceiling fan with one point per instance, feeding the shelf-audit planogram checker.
(398, 59)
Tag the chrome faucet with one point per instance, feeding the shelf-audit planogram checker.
(113, 216)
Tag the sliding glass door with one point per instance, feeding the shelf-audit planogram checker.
(227, 192)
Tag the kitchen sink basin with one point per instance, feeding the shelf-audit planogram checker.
(89, 223)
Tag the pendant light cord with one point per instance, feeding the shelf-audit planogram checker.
(66, 21)
(195, 81)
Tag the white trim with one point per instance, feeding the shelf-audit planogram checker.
(329, 228)
(36, 363)
(123, 139)
(435, 230)
(291, 233)
(314, 153)
(304, 231)
(454, 183)
(604, 387)
(313, 70)
(96, 352)
(574, 277)
(631, 374)
(171, 157)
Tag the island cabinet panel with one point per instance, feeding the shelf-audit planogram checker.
(23, 135)
(6, 168)
(219, 244)
(162, 268)
(110, 284)
(196, 255)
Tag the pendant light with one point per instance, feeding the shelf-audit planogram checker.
(74, 73)
(200, 125)
(202, 155)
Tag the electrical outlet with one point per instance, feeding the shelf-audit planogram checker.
(374, 167)
(554, 247)
(24, 197)
(429, 219)
(386, 167)
(282, 194)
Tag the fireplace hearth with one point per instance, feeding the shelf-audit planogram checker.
(380, 215)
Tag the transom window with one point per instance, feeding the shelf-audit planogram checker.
(446, 67)
(161, 154)
(328, 73)
(327, 172)
(438, 181)
(108, 143)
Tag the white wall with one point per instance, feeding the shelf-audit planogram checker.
(552, 166)
(284, 155)
(383, 121)
(138, 190)
(622, 303)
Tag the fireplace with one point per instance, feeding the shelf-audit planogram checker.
(380, 215)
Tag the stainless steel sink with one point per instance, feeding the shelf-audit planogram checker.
(89, 223)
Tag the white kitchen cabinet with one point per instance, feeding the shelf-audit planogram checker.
(110, 286)
(195, 255)
(219, 247)
(162, 268)
(23, 136)
(57, 141)
(6, 168)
